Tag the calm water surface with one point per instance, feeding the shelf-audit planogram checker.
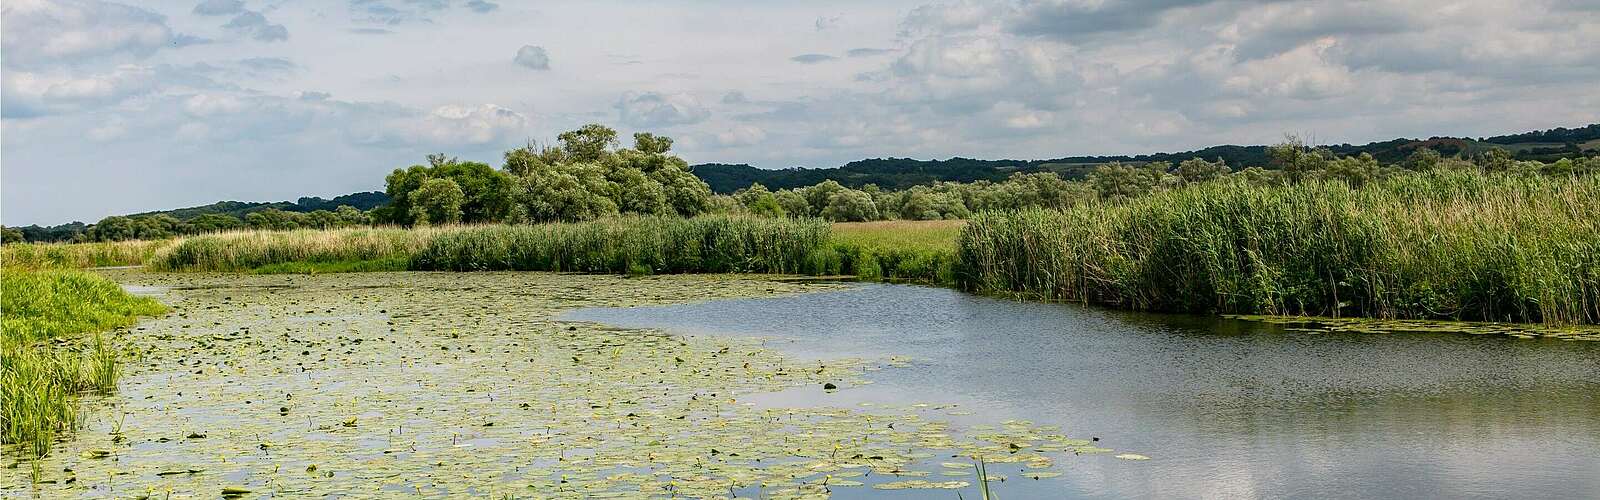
(1226, 409)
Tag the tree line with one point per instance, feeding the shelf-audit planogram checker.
(587, 175)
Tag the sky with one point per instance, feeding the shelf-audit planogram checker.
(110, 108)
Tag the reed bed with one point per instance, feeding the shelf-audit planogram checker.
(46, 360)
(636, 245)
(633, 245)
(1448, 245)
(246, 250)
(79, 255)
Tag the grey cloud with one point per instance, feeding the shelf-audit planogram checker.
(734, 97)
(812, 58)
(867, 52)
(653, 109)
(219, 7)
(481, 6)
(268, 64)
(1070, 20)
(828, 22)
(255, 25)
(532, 57)
(371, 31)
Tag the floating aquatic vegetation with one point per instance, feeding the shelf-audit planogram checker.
(1317, 325)
(438, 384)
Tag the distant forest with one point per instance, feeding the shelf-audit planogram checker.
(902, 173)
(892, 174)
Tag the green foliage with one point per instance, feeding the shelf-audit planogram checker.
(10, 235)
(44, 363)
(436, 201)
(586, 178)
(211, 223)
(1447, 245)
(849, 205)
(486, 194)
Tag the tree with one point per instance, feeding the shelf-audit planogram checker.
(849, 205)
(437, 201)
(793, 203)
(211, 223)
(1195, 170)
(648, 143)
(274, 219)
(487, 193)
(585, 178)
(589, 143)
(819, 195)
(1422, 160)
(1117, 180)
(113, 228)
(10, 235)
(351, 216)
(1297, 160)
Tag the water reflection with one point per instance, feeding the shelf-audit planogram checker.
(1227, 408)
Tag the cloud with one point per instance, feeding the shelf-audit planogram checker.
(532, 57)
(462, 125)
(1074, 19)
(46, 33)
(27, 94)
(812, 58)
(734, 97)
(867, 52)
(219, 7)
(741, 135)
(255, 25)
(481, 6)
(268, 64)
(825, 23)
(653, 110)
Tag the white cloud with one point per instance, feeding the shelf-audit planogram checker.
(52, 32)
(28, 94)
(254, 25)
(532, 57)
(741, 135)
(657, 110)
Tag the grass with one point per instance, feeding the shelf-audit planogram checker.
(917, 251)
(1449, 245)
(52, 349)
(79, 255)
(632, 245)
(248, 250)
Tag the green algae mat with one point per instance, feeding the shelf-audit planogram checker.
(465, 384)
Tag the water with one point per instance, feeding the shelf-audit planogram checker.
(1225, 408)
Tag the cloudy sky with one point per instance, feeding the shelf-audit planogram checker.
(115, 108)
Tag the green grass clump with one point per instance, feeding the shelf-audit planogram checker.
(632, 245)
(1447, 245)
(45, 359)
